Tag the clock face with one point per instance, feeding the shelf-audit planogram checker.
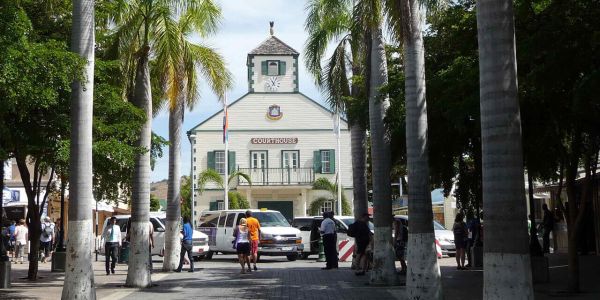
(272, 83)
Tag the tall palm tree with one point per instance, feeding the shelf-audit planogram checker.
(369, 16)
(327, 22)
(146, 28)
(507, 268)
(176, 67)
(423, 276)
(79, 274)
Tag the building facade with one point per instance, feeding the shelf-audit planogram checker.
(280, 138)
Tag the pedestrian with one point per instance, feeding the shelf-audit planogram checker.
(21, 236)
(112, 242)
(186, 245)
(242, 244)
(11, 238)
(329, 241)
(46, 239)
(460, 240)
(150, 244)
(548, 223)
(400, 242)
(472, 235)
(362, 235)
(254, 228)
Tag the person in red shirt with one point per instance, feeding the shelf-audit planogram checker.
(254, 229)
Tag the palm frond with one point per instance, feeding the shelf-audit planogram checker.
(212, 67)
(324, 184)
(237, 174)
(209, 176)
(336, 83)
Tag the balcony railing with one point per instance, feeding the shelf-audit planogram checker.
(278, 176)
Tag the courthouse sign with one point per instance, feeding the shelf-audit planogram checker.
(266, 140)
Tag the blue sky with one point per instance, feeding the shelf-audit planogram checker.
(245, 24)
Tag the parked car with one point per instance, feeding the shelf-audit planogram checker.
(442, 235)
(277, 236)
(158, 220)
(309, 229)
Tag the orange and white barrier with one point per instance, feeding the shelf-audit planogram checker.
(345, 250)
(438, 248)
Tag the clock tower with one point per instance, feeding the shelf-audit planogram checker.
(273, 67)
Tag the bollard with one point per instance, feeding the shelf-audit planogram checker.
(59, 260)
(5, 274)
(321, 251)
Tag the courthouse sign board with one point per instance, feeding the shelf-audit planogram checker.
(267, 140)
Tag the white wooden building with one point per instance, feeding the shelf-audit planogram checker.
(280, 137)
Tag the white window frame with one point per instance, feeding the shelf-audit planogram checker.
(220, 162)
(327, 206)
(270, 71)
(325, 163)
(220, 205)
(295, 157)
(259, 162)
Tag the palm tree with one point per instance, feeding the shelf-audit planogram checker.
(368, 17)
(212, 176)
(323, 184)
(176, 67)
(423, 276)
(330, 21)
(507, 268)
(146, 28)
(79, 274)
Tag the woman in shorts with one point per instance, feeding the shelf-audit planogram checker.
(460, 240)
(242, 245)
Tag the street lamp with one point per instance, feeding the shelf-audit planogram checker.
(191, 138)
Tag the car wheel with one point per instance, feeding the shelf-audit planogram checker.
(209, 255)
(305, 255)
(292, 257)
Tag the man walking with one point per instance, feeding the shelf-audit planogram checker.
(329, 241)
(112, 238)
(548, 223)
(186, 245)
(47, 238)
(254, 229)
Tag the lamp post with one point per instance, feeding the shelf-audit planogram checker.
(191, 138)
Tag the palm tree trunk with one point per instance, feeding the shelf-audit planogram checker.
(79, 273)
(506, 261)
(358, 141)
(423, 276)
(138, 274)
(384, 270)
(172, 245)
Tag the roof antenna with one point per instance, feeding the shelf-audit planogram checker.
(271, 29)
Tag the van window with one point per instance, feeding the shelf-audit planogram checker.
(271, 219)
(339, 227)
(239, 217)
(122, 224)
(155, 224)
(230, 219)
(222, 219)
(302, 224)
(209, 220)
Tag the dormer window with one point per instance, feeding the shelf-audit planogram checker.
(273, 68)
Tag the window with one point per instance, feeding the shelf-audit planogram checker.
(290, 159)
(220, 205)
(326, 161)
(194, 159)
(230, 219)
(209, 219)
(327, 206)
(222, 218)
(220, 161)
(273, 68)
(258, 159)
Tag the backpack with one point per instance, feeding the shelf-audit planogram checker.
(48, 231)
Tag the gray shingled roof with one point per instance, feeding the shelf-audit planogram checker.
(274, 46)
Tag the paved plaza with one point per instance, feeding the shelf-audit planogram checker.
(278, 278)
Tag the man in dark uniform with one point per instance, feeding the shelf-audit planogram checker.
(329, 241)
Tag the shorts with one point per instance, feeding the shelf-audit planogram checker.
(460, 244)
(254, 247)
(243, 248)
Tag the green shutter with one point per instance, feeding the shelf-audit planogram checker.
(263, 65)
(211, 160)
(213, 205)
(281, 67)
(332, 158)
(231, 161)
(317, 161)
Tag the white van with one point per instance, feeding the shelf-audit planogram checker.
(159, 221)
(277, 236)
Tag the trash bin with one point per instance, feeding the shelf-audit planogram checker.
(124, 253)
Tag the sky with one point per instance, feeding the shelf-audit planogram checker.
(245, 24)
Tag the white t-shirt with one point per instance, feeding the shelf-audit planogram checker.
(49, 238)
(21, 234)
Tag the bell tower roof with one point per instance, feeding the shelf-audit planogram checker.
(273, 46)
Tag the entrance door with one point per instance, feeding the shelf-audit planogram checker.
(286, 208)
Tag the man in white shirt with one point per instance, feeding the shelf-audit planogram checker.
(112, 238)
(329, 241)
(21, 237)
(46, 238)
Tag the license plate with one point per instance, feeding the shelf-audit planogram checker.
(286, 248)
(200, 250)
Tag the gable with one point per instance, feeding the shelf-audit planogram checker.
(250, 113)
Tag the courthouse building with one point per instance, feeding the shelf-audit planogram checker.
(278, 136)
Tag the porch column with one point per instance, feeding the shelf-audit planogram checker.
(304, 201)
(249, 197)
